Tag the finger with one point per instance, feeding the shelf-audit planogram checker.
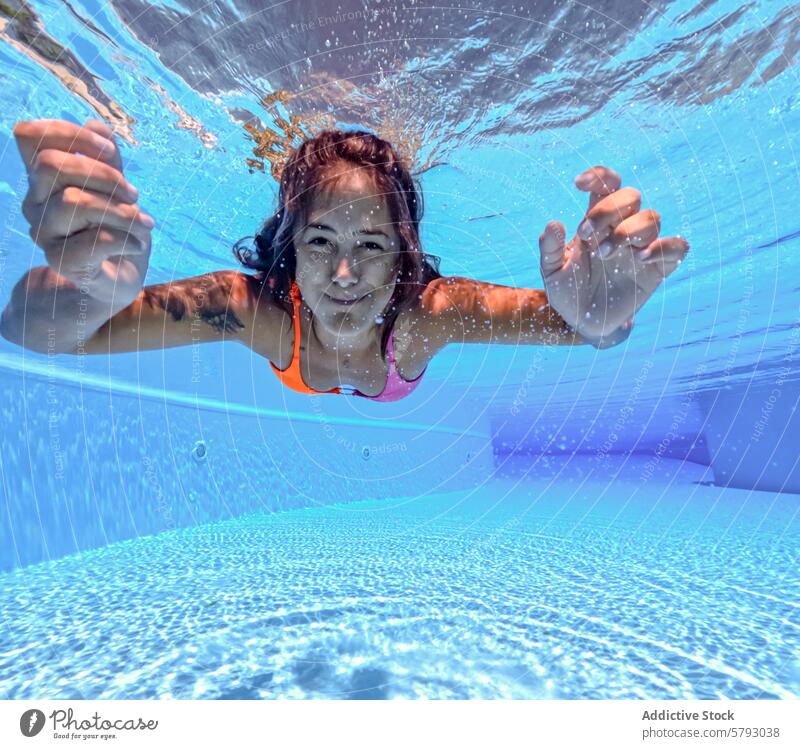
(100, 127)
(638, 231)
(609, 212)
(53, 170)
(83, 252)
(551, 247)
(599, 181)
(71, 210)
(35, 135)
(665, 250)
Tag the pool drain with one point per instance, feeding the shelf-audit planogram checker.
(199, 451)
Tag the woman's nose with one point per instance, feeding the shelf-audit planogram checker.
(343, 272)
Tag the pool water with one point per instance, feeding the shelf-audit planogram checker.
(175, 524)
(565, 590)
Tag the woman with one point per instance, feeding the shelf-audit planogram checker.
(343, 299)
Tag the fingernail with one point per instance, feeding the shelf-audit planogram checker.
(148, 221)
(604, 248)
(644, 254)
(586, 229)
(134, 193)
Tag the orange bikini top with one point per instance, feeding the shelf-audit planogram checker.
(291, 376)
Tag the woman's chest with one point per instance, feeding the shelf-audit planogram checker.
(367, 370)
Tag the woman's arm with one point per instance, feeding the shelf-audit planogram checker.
(225, 305)
(220, 306)
(463, 310)
(91, 297)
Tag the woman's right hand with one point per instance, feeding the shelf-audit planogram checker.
(82, 211)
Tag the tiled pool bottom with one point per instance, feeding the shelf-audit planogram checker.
(557, 587)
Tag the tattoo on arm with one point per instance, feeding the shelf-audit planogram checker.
(207, 299)
(222, 321)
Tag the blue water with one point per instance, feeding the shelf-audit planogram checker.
(512, 591)
(531, 523)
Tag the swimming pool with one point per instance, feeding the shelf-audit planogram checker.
(532, 522)
(546, 588)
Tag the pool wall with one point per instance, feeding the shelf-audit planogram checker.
(746, 432)
(90, 461)
(753, 433)
(93, 465)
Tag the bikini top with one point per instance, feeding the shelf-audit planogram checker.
(394, 389)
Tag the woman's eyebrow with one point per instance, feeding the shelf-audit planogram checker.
(325, 227)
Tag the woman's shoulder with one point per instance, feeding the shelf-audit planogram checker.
(270, 320)
(425, 311)
(420, 331)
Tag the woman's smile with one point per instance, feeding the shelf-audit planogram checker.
(345, 302)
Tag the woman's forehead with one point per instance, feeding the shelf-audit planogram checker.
(346, 202)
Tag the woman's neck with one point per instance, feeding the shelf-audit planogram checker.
(355, 346)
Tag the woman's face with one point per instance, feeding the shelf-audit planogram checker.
(347, 250)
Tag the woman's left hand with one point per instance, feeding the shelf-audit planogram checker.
(614, 262)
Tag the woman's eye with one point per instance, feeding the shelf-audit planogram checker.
(372, 246)
(319, 241)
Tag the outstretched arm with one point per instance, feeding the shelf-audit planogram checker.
(593, 286)
(49, 314)
(463, 310)
(213, 307)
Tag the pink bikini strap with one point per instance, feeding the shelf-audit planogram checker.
(390, 346)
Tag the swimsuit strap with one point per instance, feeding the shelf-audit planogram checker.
(291, 376)
(396, 387)
(390, 348)
(294, 296)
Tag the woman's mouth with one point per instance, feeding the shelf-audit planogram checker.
(344, 302)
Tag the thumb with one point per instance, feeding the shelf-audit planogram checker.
(100, 127)
(551, 247)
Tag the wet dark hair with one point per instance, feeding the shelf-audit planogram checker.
(271, 252)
